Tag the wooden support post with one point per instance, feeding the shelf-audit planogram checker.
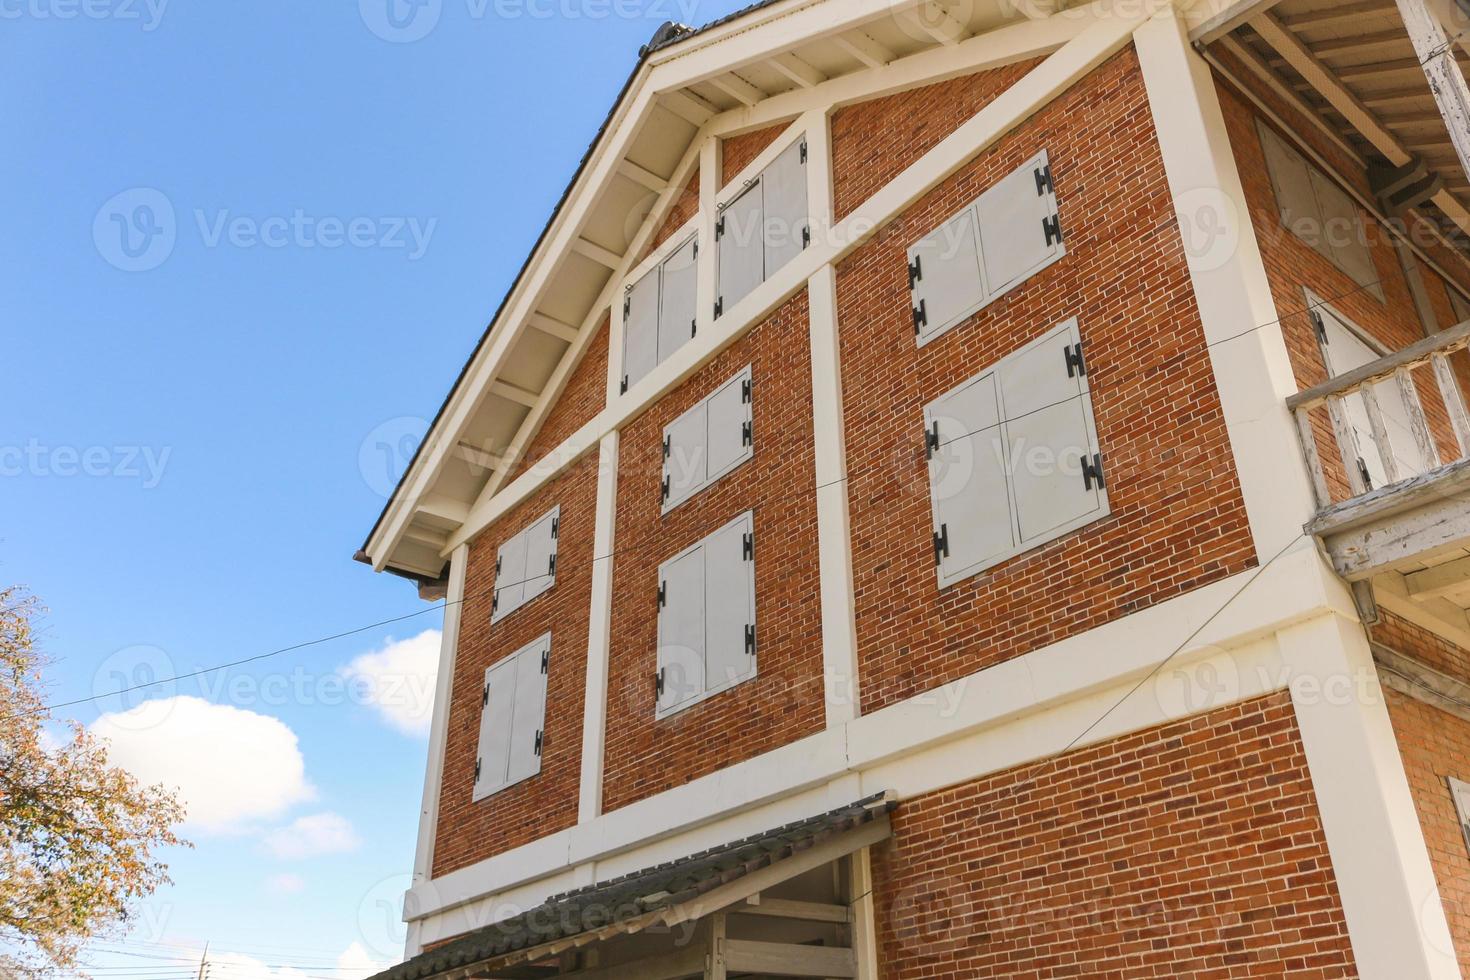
(715, 965)
(1454, 400)
(1347, 445)
(1428, 451)
(860, 903)
(1381, 443)
(1437, 54)
(1308, 435)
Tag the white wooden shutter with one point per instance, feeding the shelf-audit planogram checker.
(531, 666)
(729, 571)
(497, 707)
(731, 438)
(1055, 467)
(677, 303)
(945, 278)
(739, 241)
(686, 456)
(541, 555)
(681, 638)
(1343, 240)
(967, 482)
(510, 578)
(786, 222)
(1344, 351)
(1460, 793)
(640, 328)
(1291, 180)
(1020, 228)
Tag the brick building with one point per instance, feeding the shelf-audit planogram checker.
(968, 489)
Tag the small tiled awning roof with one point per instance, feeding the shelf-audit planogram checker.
(620, 901)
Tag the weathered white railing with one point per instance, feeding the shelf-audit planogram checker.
(1363, 383)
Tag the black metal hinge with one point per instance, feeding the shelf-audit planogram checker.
(623, 388)
(539, 736)
(719, 307)
(497, 564)
(555, 527)
(1076, 366)
(1092, 472)
(916, 270)
(696, 248)
(1364, 474)
(746, 436)
(663, 594)
(551, 566)
(665, 488)
(921, 316)
(941, 544)
(495, 602)
(745, 391)
(627, 306)
(750, 640)
(485, 696)
(658, 682)
(477, 770)
(545, 660)
(693, 327)
(1318, 325)
(803, 151)
(806, 236)
(668, 446)
(1053, 228)
(931, 440)
(1043, 180)
(747, 546)
(720, 228)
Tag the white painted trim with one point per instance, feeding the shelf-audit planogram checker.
(1252, 369)
(1394, 914)
(1097, 42)
(423, 857)
(599, 633)
(1019, 710)
(735, 186)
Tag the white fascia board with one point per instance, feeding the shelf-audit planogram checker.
(1210, 625)
(1098, 41)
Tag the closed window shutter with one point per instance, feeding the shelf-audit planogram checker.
(510, 578)
(1344, 351)
(687, 458)
(1291, 180)
(681, 630)
(946, 281)
(530, 710)
(640, 328)
(731, 437)
(497, 710)
(677, 303)
(1460, 793)
(541, 555)
(786, 221)
(967, 478)
(1020, 229)
(1342, 236)
(1048, 438)
(729, 557)
(739, 241)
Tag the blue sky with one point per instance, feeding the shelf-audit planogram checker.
(244, 248)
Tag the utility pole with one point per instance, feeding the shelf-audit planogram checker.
(204, 961)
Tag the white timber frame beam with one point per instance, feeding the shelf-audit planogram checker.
(599, 633)
(1439, 580)
(935, 20)
(862, 47)
(797, 70)
(642, 176)
(738, 88)
(515, 393)
(554, 328)
(595, 252)
(1099, 38)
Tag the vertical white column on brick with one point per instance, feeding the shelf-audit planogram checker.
(1252, 370)
(599, 636)
(423, 858)
(1394, 914)
(706, 289)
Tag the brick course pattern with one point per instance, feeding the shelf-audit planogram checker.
(467, 831)
(1177, 522)
(1428, 648)
(1434, 745)
(737, 152)
(784, 702)
(1192, 849)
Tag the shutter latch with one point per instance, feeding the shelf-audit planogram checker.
(623, 388)
(658, 682)
(668, 445)
(916, 271)
(720, 228)
(1092, 472)
(1043, 180)
(806, 236)
(719, 307)
(477, 770)
(1075, 364)
(1053, 228)
(693, 327)
(931, 440)
(545, 660)
(803, 151)
(665, 490)
(921, 316)
(745, 390)
(485, 696)
(941, 544)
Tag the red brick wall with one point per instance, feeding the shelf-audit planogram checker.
(737, 152)
(784, 701)
(685, 206)
(584, 396)
(1193, 849)
(1434, 745)
(1177, 519)
(545, 803)
(1428, 648)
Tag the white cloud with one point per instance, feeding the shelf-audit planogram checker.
(285, 884)
(312, 836)
(231, 767)
(398, 681)
(355, 963)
